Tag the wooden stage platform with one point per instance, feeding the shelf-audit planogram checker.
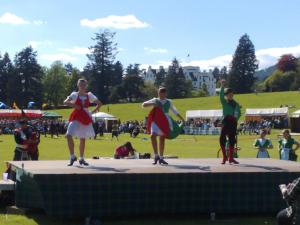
(103, 166)
(127, 187)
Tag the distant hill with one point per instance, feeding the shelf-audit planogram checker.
(263, 74)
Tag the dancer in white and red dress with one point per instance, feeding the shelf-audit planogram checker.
(80, 121)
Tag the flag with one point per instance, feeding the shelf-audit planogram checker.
(15, 106)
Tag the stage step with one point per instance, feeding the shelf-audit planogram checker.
(7, 185)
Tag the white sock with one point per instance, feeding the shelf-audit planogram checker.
(81, 158)
(156, 156)
(161, 157)
(72, 156)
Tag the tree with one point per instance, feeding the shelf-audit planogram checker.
(117, 73)
(30, 73)
(100, 64)
(287, 62)
(69, 68)
(54, 82)
(280, 81)
(243, 66)
(6, 74)
(132, 86)
(176, 83)
(223, 73)
(216, 73)
(203, 91)
(72, 80)
(160, 77)
(149, 90)
(132, 83)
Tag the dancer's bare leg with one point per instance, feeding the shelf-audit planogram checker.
(70, 144)
(161, 150)
(82, 147)
(154, 143)
(154, 146)
(71, 149)
(161, 146)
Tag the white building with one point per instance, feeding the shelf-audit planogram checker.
(192, 73)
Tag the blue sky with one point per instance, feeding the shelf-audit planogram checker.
(151, 32)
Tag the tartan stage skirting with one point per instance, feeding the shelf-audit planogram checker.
(136, 187)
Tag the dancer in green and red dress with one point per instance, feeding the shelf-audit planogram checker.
(159, 123)
(80, 121)
(231, 114)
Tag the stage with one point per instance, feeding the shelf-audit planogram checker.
(128, 187)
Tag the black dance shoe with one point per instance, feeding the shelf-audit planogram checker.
(83, 162)
(233, 161)
(72, 160)
(162, 162)
(156, 159)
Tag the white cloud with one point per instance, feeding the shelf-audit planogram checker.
(117, 22)
(36, 44)
(269, 56)
(76, 50)
(58, 56)
(39, 22)
(10, 18)
(156, 50)
(266, 57)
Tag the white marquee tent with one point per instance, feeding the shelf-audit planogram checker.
(204, 114)
(107, 118)
(266, 112)
(103, 116)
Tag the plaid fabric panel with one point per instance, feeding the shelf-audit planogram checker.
(120, 194)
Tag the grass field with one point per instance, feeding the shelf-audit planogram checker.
(133, 111)
(184, 146)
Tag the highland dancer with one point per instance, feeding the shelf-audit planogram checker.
(231, 114)
(159, 123)
(80, 121)
(263, 144)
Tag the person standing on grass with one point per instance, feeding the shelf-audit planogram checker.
(286, 143)
(263, 144)
(159, 123)
(115, 131)
(231, 114)
(80, 121)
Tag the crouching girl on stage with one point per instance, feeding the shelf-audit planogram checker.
(263, 144)
(126, 151)
(159, 123)
(231, 114)
(80, 121)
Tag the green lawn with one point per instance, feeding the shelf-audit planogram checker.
(184, 146)
(187, 146)
(34, 219)
(134, 111)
